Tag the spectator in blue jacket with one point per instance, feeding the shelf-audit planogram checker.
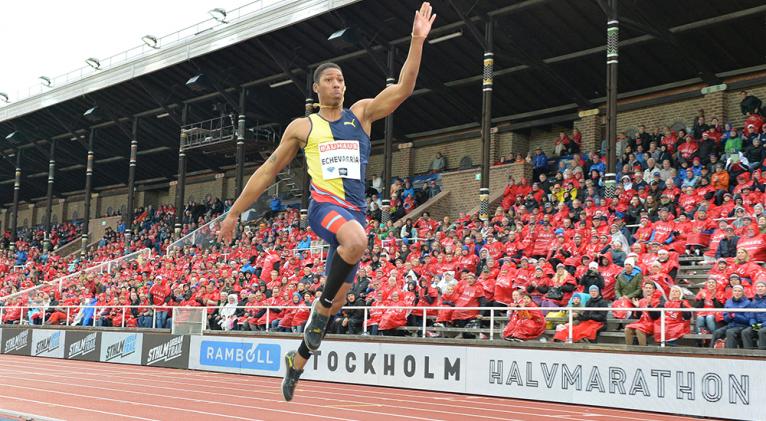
(757, 320)
(248, 267)
(736, 322)
(21, 257)
(305, 243)
(539, 164)
(408, 190)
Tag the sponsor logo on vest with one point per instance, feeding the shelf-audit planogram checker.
(339, 144)
(166, 352)
(122, 348)
(17, 342)
(48, 344)
(83, 347)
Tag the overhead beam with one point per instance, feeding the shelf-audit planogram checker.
(214, 77)
(522, 51)
(472, 29)
(635, 18)
(282, 66)
(154, 95)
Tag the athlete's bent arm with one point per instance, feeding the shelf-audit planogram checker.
(264, 176)
(392, 97)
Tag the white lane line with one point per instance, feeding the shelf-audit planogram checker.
(15, 398)
(120, 400)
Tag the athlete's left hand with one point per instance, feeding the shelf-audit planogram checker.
(424, 18)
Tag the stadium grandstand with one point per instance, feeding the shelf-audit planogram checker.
(568, 175)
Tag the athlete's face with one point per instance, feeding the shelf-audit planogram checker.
(330, 87)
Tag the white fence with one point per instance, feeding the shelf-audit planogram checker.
(72, 311)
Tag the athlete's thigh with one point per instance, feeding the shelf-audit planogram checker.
(325, 219)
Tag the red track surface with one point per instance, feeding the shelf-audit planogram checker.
(75, 390)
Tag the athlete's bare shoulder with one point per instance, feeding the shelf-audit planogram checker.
(298, 131)
(360, 109)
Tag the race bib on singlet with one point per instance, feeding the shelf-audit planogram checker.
(340, 159)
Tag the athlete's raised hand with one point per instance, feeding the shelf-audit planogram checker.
(424, 18)
(226, 230)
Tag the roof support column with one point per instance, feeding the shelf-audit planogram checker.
(612, 54)
(388, 141)
(49, 195)
(127, 218)
(88, 189)
(486, 121)
(240, 172)
(181, 186)
(16, 189)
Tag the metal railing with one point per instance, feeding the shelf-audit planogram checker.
(208, 132)
(493, 317)
(107, 267)
(202, 237)
(179, 37)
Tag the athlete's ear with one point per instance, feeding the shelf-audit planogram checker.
(314, 88)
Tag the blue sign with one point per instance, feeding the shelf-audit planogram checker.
(248, 356)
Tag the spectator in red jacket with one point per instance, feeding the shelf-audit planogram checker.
(645, 325)
(524, 325)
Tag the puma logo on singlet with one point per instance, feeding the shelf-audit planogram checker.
(350, 123)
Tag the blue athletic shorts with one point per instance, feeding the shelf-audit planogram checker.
(325, 219)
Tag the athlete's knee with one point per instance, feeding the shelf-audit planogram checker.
(354, 242)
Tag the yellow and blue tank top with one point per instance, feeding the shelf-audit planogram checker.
(343, 191)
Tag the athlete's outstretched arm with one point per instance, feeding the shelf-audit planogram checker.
(390, 98)
(263, 177)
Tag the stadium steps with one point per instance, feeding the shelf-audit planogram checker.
(96, 229)
(432, 206)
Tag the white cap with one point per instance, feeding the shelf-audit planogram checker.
(630, 261)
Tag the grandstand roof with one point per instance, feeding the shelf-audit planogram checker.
(549, 62)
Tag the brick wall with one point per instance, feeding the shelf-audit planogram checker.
(511, 143)
(57, 211)
(545, 139)
(117, 202)
(453, 151)
(590, 129)
(731, 104)
(74, 207)
(25, 215)
(464, 187)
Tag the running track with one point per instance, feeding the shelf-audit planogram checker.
(77, 390)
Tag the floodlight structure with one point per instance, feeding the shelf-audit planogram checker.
(218, 14)
(94, 63)
(46, 81)
(281, 83)
(4, 98)
(151, 41)
(344, 38)
(15, 138)
(445, 37)
(198, 83)
(93, 114)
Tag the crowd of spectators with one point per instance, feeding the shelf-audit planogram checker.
(404, 196)
(554, 241)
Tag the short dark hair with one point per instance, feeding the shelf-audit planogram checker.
(322, 67)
